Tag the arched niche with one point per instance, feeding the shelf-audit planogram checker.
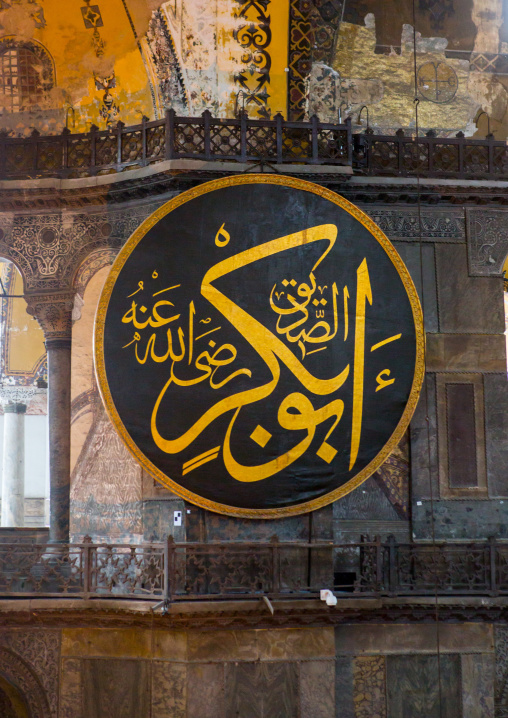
(20, 685)
(12, 702)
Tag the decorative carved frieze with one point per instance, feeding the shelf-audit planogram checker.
(434, 225)
(49, 248)
(487, 236)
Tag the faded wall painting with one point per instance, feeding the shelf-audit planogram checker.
(74, 65)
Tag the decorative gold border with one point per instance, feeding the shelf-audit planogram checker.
(126, 251)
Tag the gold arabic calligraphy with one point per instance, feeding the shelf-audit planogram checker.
(293, 305)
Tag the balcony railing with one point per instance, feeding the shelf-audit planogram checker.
(200, 138)
(275, 141)
(199, 571)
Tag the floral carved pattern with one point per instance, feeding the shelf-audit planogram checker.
(18, 671)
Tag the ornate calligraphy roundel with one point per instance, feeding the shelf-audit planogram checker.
(259, 346)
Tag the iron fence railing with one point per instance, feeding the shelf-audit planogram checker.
(275, 141)
(199, 571)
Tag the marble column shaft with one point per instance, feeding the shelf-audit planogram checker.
(13, 465)
(59, 431)
(54, 314)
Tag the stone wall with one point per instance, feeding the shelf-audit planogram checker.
(352, 671)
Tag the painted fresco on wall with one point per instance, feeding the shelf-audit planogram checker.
(97, 63)
(257, 364)
(344, 55)
(22, 351)
(77, 64)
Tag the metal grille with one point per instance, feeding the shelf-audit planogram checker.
(20, 82)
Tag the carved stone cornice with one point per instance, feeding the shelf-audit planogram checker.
(233, 615)
(54, 314)
(380, 190)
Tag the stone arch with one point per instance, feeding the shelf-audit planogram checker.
(90, 265)
(10, 254)
(19, 674)
(12, 703)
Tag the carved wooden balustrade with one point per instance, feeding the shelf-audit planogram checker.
(200, 138)
(274, 141)
(206, 571)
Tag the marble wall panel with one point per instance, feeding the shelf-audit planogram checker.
(420, 262)
(344, 704)
(423, 444)
(413, 638)
(169, 690)
(478, 685)
(466, 304)
(116, 688)
(496, 433)
(465, 519)
(369, 693)
(261, 690)
(205, 690)
(71, 689)
(317, 689)
(424, 686)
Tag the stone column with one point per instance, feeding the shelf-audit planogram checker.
(13, 465)
(54, 314)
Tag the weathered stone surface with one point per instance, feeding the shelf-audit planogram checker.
(423, 686)
(344, 704)
(170, 645)
(296, 643)
(423, 443)
(465, 353)
(223, 646)
(261, 690)
(71, 691)
(169, 690)
(158, 521)
(478, 685)
(367, 502)
(420, 263)
(317, 689)
(369, 692)
(465, 519)
(466, 304)
(205, 691)
(422, 638)
(496, 433)
(116, 688)
(114, 643)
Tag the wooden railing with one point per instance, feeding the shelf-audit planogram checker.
(209, 571)
(244, 140)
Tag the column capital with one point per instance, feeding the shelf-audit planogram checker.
(17, 396)
(54, 314)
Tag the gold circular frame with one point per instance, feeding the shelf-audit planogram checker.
(396, 260)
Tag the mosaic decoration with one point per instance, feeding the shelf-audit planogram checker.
(437, 82)
(280, 345)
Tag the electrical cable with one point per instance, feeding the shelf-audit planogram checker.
(416, 102)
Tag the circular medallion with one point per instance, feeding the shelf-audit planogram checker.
(259, 346)
(437, 81)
